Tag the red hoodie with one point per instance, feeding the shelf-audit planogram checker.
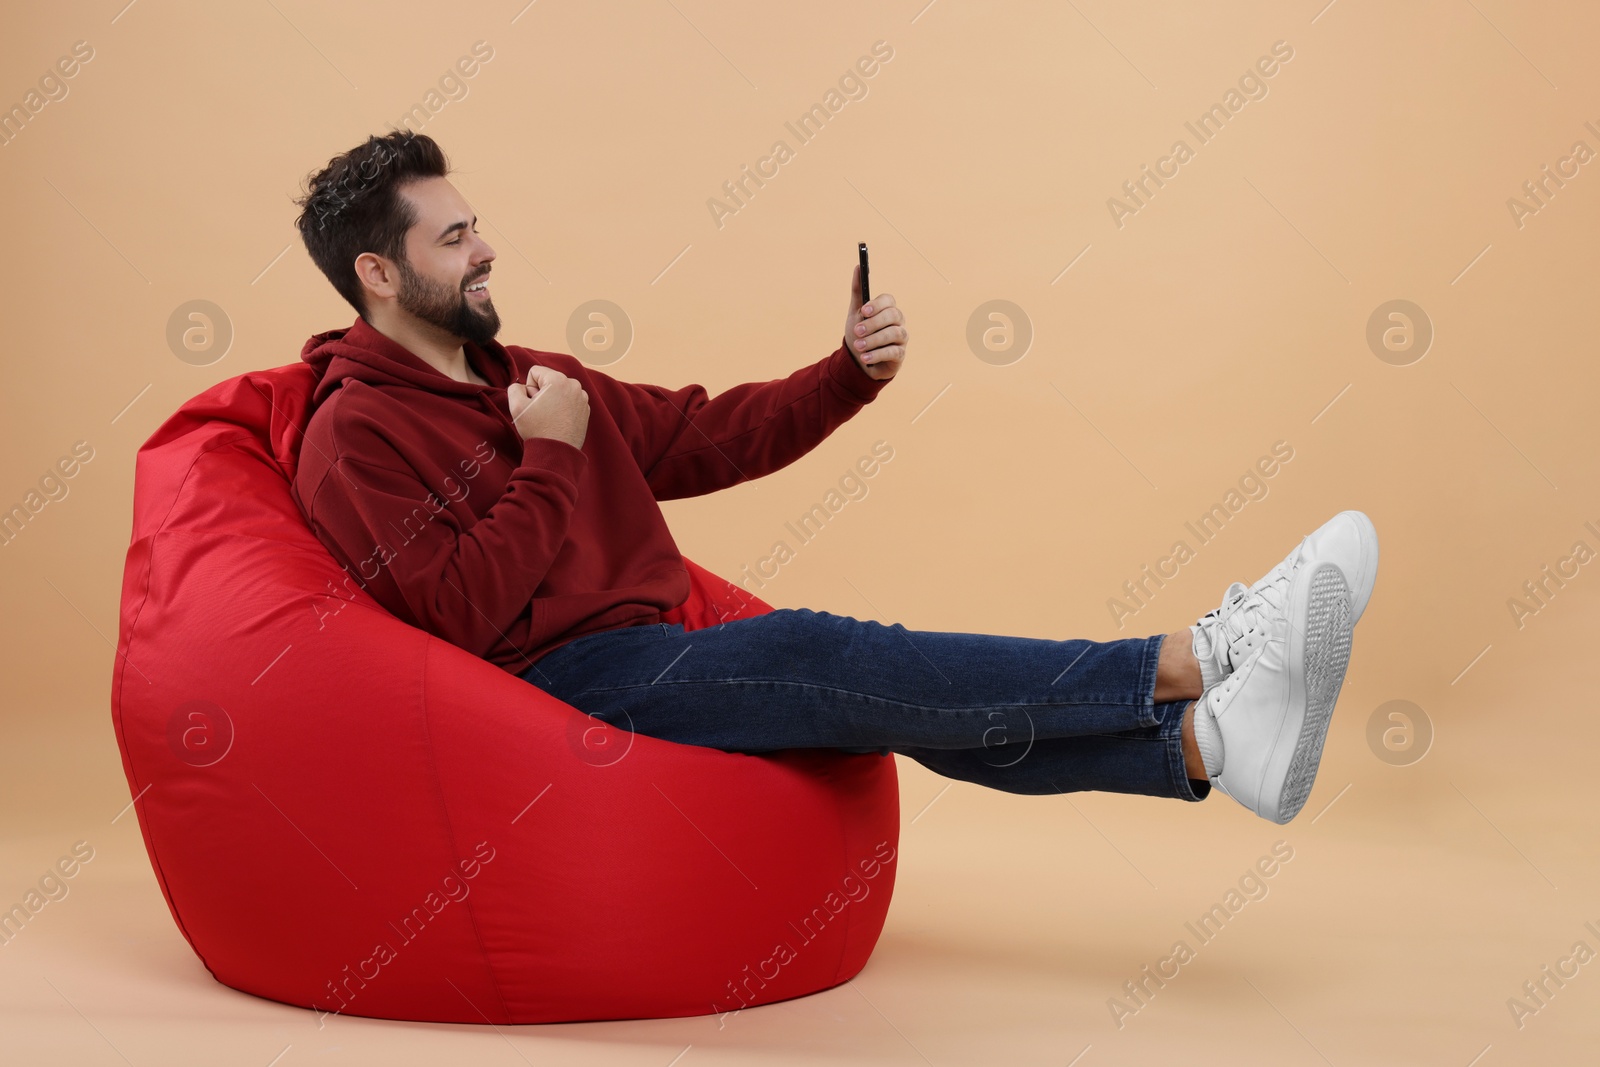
(425, 493)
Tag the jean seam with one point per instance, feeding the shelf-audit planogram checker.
(1177, 767)
(1149, 668)
(1151, 717)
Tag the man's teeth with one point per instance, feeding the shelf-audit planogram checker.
(476, 286)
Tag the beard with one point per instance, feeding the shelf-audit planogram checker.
(449, 309)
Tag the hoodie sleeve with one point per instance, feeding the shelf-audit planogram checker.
(468, 586)
(688, 444)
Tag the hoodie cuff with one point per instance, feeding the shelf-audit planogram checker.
(849, 377)
(546, 453)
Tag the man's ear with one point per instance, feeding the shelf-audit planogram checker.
(380, 277)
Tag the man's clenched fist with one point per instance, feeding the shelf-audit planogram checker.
(549, 404)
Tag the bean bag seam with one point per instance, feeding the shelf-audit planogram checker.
(450, 828)
(122, 679)
(850, 919)
(716, 598)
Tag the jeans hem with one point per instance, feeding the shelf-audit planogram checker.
(1183, 786)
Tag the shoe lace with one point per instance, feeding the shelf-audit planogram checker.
(1219, 694)
(1244, 609)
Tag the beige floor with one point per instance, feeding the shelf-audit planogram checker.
(1168, 354)
(1416, 902)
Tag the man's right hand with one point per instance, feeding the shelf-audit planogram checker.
(549, 404)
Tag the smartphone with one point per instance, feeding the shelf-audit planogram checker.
(866, 294)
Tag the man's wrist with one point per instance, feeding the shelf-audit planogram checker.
(845, 367)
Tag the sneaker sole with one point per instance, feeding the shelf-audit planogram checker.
(1360, 594)
(1322, 649)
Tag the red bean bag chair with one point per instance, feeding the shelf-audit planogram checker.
(348, 814)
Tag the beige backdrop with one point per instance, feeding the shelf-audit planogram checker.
(1172, 343)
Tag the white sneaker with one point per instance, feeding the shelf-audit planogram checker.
(1273, 710)
(1348, 540)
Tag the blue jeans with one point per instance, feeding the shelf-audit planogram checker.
(1019, 714)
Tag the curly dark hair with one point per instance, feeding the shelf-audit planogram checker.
(353, 205)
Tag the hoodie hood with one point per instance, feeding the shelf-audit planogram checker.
(359, 351)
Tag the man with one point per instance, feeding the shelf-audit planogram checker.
(505, 499)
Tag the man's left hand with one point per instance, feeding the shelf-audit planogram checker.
(876, 333)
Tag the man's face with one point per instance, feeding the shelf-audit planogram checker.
(446, 255)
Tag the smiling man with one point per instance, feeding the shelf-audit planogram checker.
(506, 499)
